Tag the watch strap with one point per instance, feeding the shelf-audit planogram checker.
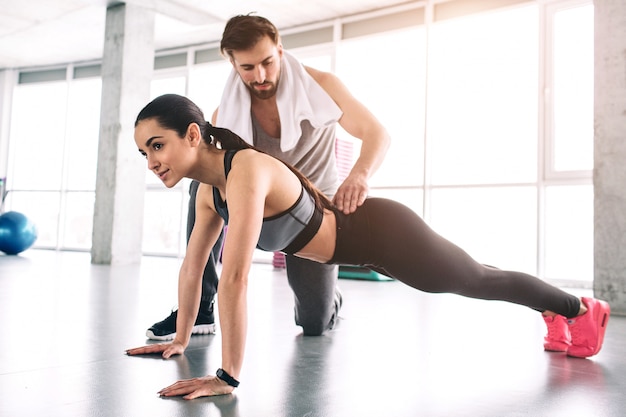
(224, 376)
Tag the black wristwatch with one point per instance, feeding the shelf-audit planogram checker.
(223, 375)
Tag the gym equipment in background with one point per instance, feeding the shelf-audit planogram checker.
(17, 232)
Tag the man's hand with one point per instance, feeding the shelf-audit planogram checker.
(351, 194)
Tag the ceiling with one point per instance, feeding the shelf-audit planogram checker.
(37, 33)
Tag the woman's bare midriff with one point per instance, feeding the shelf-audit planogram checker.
(322, 247)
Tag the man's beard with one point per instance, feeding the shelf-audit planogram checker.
(263, 94)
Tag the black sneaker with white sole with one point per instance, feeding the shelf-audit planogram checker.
(166, 329)
(338, 303)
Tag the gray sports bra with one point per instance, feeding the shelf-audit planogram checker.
(288, 231)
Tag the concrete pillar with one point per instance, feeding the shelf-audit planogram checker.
(127, 65)
(610, 153)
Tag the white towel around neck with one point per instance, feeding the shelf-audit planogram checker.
(299, 97)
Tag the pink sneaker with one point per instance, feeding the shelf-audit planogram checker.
(588, 330)
(558, 338)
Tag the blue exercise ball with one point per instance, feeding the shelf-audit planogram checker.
(17, 233)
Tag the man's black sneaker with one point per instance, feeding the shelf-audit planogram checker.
(166, 329)
(338, 303)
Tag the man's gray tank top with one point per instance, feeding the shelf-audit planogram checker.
(313, 155)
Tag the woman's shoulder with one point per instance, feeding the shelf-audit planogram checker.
(251, 159)
(251, 168)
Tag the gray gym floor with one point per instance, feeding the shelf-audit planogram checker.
(65, 324)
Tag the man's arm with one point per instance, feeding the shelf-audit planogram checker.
(359, 122)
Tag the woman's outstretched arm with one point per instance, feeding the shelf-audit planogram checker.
(246, 193)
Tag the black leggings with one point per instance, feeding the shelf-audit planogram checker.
(393, 240)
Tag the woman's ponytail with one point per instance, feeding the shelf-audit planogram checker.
(227, 139)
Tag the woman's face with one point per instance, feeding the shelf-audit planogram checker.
(169, 156)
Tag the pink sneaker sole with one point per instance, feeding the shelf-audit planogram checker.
(588, 330)
(556, 347)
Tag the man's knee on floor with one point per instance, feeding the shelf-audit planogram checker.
(313, 326)
(319, 317)
(313, 330)
(316, 326)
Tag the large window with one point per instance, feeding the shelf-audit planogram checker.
(570, 92)
(52, 169)
(482, 134)
(482, 98)
(567, 248)
(387, 73)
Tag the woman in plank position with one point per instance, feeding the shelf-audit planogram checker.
(269, 205)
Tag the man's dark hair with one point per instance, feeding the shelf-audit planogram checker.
(242, 32)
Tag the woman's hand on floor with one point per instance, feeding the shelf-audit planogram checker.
(197, 387)
(166, 349)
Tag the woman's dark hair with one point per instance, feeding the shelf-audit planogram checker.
(175, 112)
(242, 32)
